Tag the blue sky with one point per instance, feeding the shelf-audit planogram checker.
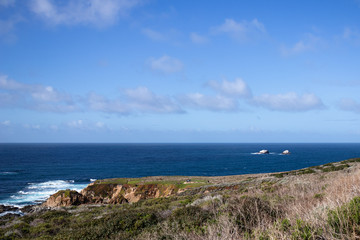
(179, 71)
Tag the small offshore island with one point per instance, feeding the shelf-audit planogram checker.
(321, 202)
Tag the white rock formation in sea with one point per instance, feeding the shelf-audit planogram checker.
(264, 151)
(286, 152)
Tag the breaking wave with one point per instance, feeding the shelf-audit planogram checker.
(36, 193)
(257, 153)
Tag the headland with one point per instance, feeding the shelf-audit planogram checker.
(320, 202)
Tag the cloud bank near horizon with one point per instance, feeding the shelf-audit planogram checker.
(14, 94)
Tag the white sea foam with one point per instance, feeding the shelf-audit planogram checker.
(8, 173)
(11, 212)
(92, 179)
(38, 192)
(258, 153)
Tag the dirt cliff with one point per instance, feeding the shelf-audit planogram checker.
(115, 191)
(65, 198)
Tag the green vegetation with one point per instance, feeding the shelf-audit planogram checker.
(295, 172)
(331, 167)
(181, 183)
(328, 167)
(345, 220)
(352, 160)
(113, 181)
(319, 196)
(66, 193)
(303, 230)
(268, 206)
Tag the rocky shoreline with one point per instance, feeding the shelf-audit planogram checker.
(132, 190)
(12, 211)
(283, 205)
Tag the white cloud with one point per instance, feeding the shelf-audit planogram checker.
(142, 99)
(32, 96)
(100, 124)
(32, 126)
(37, 92)
(212, 103)
(42, 98)
(289, 102)
(350, 105)
(6, 123)
(236, 88)
(165, 64)
(9, 84)
(14, 94)
(140, 94)
(54, 127)
(100, 103)
(97, 12)
(310, 42)
(171, 36)
(83, 125)
(154, 35)
(76, 124)
(137, 100)
(243, 30)
(352, 35)
(197, 38)
(47, 94)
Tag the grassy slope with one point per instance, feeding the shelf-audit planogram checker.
(314, 203)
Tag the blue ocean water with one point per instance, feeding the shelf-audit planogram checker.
(29, 173)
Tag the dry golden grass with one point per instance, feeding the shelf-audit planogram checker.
(293, 207)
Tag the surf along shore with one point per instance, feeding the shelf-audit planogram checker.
(321, 202)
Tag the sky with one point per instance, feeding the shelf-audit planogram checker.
(149, 71)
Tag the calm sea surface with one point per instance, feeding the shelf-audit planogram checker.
(31, 172)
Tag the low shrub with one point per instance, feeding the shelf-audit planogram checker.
(252, 212)
(319, 196)
(302, 231)
(190, 218)
(346, 219)
(333, 168)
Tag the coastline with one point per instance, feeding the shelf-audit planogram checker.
(188, 181)
(307, 203)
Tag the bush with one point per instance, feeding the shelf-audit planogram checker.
(54, 214)
(346, 219)
(285, 225)
(190, 218)
(333, 168)
(123, 224)
(319, 196)
(252, 212)
(302, 231)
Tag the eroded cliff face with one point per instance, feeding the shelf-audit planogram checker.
(65, 198)
(109, 193)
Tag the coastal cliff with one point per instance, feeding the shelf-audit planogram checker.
(120, 190)
(319, 202)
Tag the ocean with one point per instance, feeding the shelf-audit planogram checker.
(30, 173)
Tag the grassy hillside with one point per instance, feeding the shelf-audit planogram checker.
(320, 202)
